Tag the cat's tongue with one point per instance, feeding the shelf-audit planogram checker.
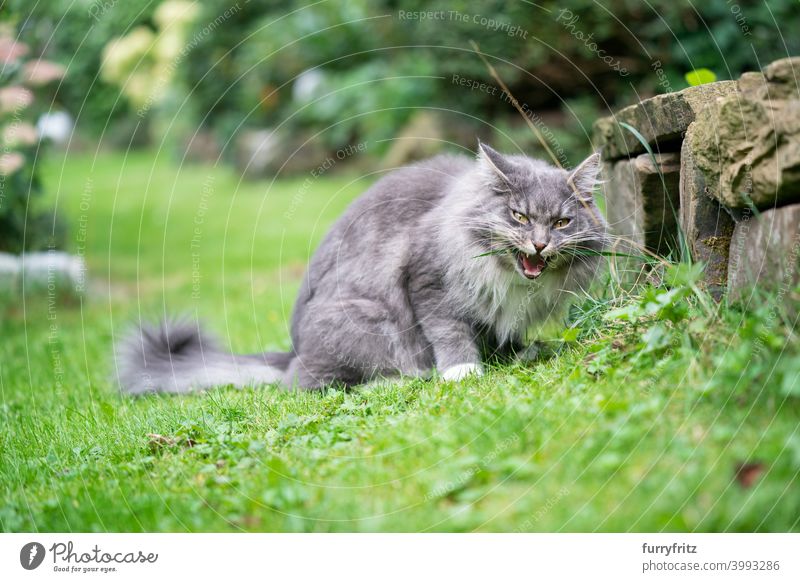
(532, 266)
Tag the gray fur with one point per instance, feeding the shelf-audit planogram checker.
(397, 287)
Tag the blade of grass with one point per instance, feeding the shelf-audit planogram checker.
(490, 253)
(590, 252)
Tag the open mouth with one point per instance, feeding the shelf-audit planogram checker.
(531, 265)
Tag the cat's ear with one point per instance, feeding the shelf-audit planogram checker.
(585, 177)
(496, 166)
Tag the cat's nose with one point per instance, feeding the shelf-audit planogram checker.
(539, 246)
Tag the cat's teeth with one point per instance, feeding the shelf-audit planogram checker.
(532, 267)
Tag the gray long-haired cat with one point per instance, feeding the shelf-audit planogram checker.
(437, 266)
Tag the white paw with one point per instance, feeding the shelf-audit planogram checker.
(461, 371)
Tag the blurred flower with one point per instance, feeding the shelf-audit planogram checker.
(141, 88)
(307, 85)
(14, 98)
(175, 13)
(41, 72)
(11, 50)
(10, 163)
(55, 126)
(19, 134)
(143, 63)
(121, 56)
(169, 46)
(173, 19)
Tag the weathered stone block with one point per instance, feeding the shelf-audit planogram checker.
(772, 84)
(707, 227)
(642, 200)
(661, 120)
(782, 76)
(748, 144)
(765, 254)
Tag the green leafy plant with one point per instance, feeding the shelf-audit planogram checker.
(700, 77)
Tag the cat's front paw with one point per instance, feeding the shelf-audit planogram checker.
(461, 371)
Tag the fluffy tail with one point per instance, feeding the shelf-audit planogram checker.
(177, 357)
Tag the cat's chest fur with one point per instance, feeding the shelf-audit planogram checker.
(494, 298)
(527, 307)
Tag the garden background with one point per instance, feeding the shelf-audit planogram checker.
(192, 154)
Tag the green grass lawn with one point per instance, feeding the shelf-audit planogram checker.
(641, 421)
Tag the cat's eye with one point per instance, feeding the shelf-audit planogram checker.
(519, 217)
(561, 223)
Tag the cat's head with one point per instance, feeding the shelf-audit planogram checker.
(536, 217)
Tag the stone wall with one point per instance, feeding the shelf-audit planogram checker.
(725, 177)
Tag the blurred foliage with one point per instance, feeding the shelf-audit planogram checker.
(75, 33)
(242, 60)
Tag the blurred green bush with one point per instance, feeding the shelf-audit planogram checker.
(240, 62)
(25, 85)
